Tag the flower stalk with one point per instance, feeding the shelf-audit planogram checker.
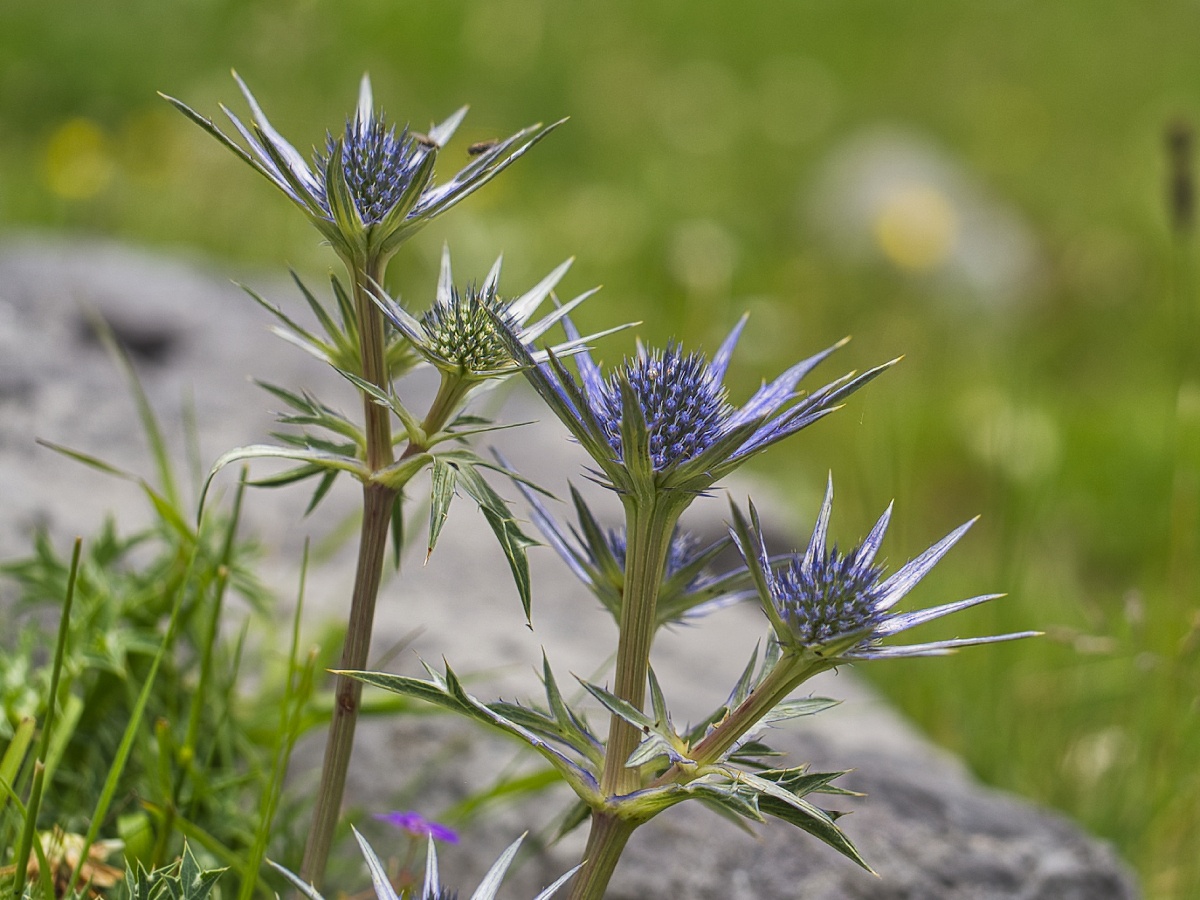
(378, 500)
(377, 511)
(785, 677)
(606, 841)
(649, 536)
(372, 346)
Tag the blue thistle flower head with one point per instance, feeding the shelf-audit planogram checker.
(830, 596)
(379, 166)
(369, 188)
(839, 606)
(682, 401)
(661, 422)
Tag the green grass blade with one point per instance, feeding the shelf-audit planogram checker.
(109, 791)
(300, 684)
(28, 833)
(68, 720)
(60, 649)
(150, 425)
(14, 755)
(200, 695)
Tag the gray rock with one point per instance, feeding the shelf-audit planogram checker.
(926, 825)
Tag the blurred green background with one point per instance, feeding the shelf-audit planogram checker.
(980, 186)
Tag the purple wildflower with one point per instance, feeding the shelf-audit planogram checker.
(419, 826)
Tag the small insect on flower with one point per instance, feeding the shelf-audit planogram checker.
(371, 186)
(839, 606)
(481, 147)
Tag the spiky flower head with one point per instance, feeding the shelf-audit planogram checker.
(487, 889)
(379, 166)
(839, 606)
(370, 187)
(465, 334)
(828, 596)
(682, 400)
(661, 422)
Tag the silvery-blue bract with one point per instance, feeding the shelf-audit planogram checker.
(432, 889)
(840, 605)
(369, 188)
(596, 555)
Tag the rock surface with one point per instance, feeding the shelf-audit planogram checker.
(926, 825)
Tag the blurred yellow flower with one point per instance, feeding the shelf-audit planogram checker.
(78, 162)
(916, 227)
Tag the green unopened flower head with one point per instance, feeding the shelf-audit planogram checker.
(466, 334)
(463, 332)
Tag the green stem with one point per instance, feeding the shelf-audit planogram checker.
(446, 404)
(373, 350)
(648, 528)
(648, 538)
(377, 511)
(606, 841)
(787, 675)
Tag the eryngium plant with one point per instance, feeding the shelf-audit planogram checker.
(369, 188)
(661, 431)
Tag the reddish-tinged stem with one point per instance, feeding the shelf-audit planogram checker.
(377, 511)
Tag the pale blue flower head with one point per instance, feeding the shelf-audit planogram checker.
(839, 605)
(370, 187)
(661, 421)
